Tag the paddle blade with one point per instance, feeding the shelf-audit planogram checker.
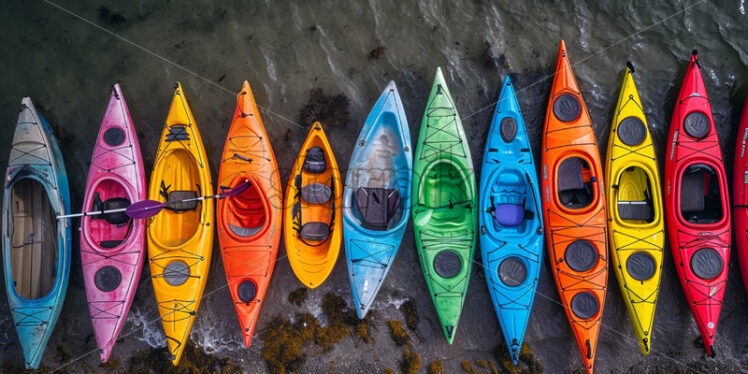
(239, 188)
(144, 209)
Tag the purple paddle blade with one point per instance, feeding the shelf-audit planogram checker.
(239, 188)
(144, 209)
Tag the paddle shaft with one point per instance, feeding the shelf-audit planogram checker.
(99, 212)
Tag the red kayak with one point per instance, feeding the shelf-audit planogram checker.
(112, 245)
(696, 202)
(740, 194)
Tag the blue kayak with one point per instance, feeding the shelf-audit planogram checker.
(36, 245)
(511, 221)
(376, 198)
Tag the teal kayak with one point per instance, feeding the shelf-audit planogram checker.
(36, 245)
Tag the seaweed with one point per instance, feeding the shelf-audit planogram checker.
(194, 361)
(399, 335)
(298, 296)
(388, 371)
(410, 311)
(411, 362)
(285, 341)
(329, 110)
(376, 53)
(528, 363)
(436, 367)
(468, 367)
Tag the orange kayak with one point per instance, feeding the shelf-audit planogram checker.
(249, 224)
(313, 229)
(574, 208)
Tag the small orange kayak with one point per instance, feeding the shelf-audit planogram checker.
(249, 223)
(574, 208)
(313, 229)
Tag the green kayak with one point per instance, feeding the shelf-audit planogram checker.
(444, 217)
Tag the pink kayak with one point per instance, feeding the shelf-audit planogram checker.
(112, 245)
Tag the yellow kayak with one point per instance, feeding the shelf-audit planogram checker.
(180, 237)
(635, 210)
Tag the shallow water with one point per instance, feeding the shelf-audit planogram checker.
(285, 49)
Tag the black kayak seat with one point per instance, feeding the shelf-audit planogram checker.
(182, 206)
(119, 218)
(244, 232)
(692, 192)
(315, 231)
(110, 243)
(570, 175)
(314, 162)
(635, 210)
(377, 206)
(316, 193)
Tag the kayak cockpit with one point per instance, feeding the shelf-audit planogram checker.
(575, 183)
(180, 179)
(108, 231)
(701, 202)
(633, 196)
(511, 204)
(34, 239)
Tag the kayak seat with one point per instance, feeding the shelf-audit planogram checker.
(110, 243)
(635, 210)
(119, 218)
(377, 206)
(574, 187)
(182, 206)
(244, 232)
(692, 193)
(509, 215)
(316, 193)
(315, 231)
(315, 161)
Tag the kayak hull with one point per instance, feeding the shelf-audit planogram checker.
(112, 254)
(249, 224)
(37, 270)
(574, 209)
(511, 249)
(740, 194)
(312, 260)
(180, 238)
(637, 223)
(445, 224)
(383, 147)
(699, 236)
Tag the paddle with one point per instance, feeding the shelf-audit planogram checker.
(149, 208)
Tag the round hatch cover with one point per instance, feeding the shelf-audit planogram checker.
(580, 255)
(114, 136)
(706, 263)
(641, 266)
(176, 273)
(246, 291)
(447, 264)
(632, 131)
(512, 271)
(107, 278)
(567, 107)
(696, 124)
(584, 305)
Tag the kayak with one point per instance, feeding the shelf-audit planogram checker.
(574, 209)
(180, 237)
(637, 223)
(249, 224)
(376, 197)
(740, 194)
(444, 201)
(313, 230)
(696, 203)
(36, 245)
(112, 245)
(511, 224)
